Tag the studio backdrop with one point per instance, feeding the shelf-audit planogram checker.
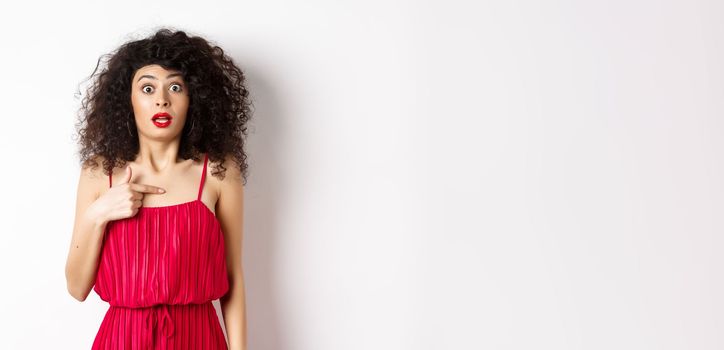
(423, 174)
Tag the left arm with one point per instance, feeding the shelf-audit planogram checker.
(230, 212)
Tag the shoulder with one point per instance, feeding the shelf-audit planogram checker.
(231, 181)
(92, 180)
(230, 202)
(228, 167)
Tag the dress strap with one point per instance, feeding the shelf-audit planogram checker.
(203, 176)
(110, 179)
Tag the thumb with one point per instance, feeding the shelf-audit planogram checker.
(127, 178)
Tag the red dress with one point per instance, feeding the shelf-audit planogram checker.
(159, 270)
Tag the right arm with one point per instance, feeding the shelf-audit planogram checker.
(92, 214)
(88, 231)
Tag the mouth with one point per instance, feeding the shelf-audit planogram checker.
(161, 120)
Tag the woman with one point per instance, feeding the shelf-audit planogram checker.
(166, 119)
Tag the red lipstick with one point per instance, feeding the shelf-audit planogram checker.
(162, 119)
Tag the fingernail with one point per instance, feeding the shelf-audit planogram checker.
(161, 190)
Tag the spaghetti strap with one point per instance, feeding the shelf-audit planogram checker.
(203, 176)
(110, 179)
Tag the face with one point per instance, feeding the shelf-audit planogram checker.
(155, 91)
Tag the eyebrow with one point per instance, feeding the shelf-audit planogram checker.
(152, 77)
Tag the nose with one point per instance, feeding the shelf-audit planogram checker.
(162, 100)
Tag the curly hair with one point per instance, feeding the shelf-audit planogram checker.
(219, 102)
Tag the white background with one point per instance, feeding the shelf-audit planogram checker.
(424, 174)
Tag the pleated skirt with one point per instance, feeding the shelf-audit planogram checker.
(168, 327)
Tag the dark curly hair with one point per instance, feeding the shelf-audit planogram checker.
(219, 102)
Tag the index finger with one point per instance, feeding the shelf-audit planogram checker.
(146, 188)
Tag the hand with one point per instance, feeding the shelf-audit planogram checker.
(122, 200)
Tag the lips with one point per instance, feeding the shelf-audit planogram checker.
(162, 119)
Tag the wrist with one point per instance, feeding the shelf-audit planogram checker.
(96, 218)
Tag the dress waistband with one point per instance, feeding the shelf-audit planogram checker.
(158, 318)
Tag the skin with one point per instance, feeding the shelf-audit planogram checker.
(156, 169)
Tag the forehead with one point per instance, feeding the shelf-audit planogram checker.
(156, 71)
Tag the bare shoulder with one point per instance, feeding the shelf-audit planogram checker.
(230, 204)
(92, 177)
(91, 184)
(231, 175)
(231, 181)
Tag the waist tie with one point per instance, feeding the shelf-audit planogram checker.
(157, 315)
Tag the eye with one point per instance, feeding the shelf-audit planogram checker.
(176, 90)
(146, 87)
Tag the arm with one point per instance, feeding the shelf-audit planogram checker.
(230, 211)
(82, 262)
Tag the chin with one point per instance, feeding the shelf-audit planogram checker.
(160, 134)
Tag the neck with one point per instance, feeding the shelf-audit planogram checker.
(158, 156)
